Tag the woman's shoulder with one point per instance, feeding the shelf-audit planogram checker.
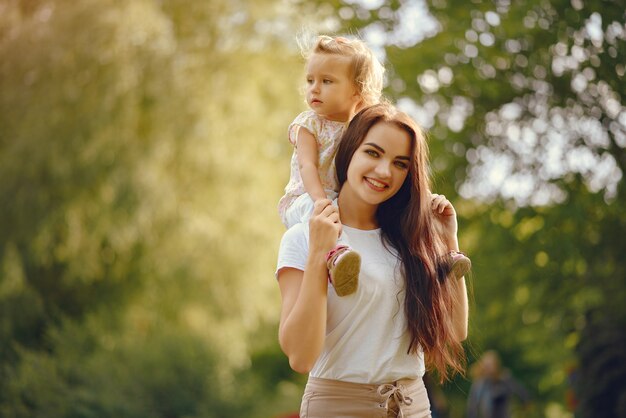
(298, 233)
(294, 247)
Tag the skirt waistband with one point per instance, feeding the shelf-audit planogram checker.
(393, 395)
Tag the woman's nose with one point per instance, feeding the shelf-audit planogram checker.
(383, 170)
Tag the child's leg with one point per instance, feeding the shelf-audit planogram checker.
(343, 263)
(344, 266)
(300, 210)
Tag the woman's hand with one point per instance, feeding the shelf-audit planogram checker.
(324, 226)
(445, 220)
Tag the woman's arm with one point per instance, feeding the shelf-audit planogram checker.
(308, 162)
(445, 215)
(304, 295)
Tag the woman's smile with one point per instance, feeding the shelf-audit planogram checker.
(376, 184)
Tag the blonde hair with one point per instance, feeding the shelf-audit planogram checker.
(366, 71)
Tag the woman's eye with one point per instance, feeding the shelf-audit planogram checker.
(402, 165)
(371, 153)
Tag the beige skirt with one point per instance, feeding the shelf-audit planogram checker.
(324, 398)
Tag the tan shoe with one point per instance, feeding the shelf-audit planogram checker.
(344, 266)
(459, 263)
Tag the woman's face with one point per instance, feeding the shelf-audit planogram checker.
(380, 165)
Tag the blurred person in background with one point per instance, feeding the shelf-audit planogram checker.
(493, 389)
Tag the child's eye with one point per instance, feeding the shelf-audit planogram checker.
(327, 81)
(309, 80)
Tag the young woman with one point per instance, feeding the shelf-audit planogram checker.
(366, 353)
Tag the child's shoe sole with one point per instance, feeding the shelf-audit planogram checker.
(460, 266)
(345, 273)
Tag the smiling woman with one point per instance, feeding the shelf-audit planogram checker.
(366, 352)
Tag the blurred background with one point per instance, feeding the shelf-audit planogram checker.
(143, 151)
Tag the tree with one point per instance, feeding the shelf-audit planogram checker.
(524, 103)
(139, 180)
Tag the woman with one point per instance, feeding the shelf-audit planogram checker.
(366, 352)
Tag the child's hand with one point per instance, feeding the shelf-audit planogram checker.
(324, 226)
(445, 219)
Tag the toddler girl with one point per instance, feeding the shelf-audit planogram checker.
(342, 77)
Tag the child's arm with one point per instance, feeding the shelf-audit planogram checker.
(308, 161)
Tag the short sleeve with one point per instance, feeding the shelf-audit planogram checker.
(294, 248)
(307, 120)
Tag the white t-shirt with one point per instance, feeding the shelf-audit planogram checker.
(366, 333)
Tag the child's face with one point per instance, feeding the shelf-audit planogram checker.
(330, 91)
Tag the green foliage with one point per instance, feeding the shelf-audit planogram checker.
(603, 361)
(525, 108)
(86, 372)
(142, 154)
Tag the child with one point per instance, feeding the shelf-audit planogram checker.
(342, 77)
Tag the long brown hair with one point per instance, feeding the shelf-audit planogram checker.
(406, 222)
